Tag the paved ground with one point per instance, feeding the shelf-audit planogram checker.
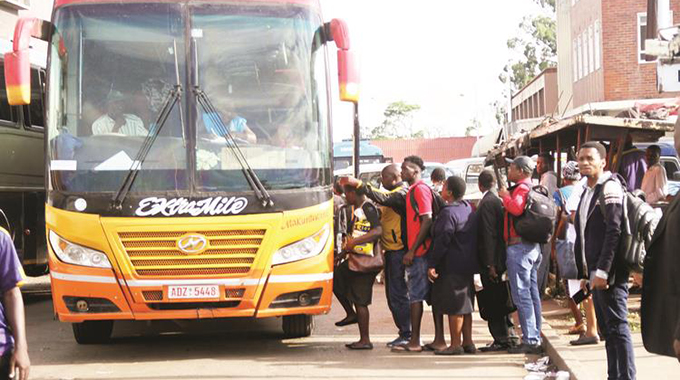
(246, 349)
(590, 362)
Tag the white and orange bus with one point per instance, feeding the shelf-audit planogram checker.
(188, 158)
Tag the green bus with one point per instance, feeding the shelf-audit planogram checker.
(22, 173)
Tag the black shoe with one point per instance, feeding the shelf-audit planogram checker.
(533, 349)
(347, 321)
(494, 347)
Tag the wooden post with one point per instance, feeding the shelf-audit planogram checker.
(588, 132)
(540, 146)
(578, 140)
(558, 152)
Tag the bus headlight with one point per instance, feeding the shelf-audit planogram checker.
(303, 249)
(72, 253)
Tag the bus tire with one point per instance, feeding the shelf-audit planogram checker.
(298, 326)
(92, 332)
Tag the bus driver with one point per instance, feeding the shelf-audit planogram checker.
(115, 121)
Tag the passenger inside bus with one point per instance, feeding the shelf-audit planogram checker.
(237, 125)
(115, 120)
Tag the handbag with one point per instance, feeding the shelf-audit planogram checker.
(566, 260)
(363, 263)
(495, 300)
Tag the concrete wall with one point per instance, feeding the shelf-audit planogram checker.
(588, 83)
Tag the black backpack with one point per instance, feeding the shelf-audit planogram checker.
(438, 203)
(537, 222)
(637, 226)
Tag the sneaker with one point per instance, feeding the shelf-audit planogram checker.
(400, 341)
(524, 348)
(494, 347)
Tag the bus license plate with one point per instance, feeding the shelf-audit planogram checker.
(193, 292)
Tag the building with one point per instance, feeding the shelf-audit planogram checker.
(10, 11)
(600, 47)
(534, 102)
(440, 150)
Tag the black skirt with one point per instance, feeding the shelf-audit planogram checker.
(453, 294)
(357, 287)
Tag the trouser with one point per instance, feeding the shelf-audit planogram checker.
(500, 326)
(397, 292)
(544, 268)
(523, 261)
(4, 366)
(611, 308)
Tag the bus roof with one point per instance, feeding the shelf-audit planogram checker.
(60, 3)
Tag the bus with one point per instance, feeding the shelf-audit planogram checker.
(22, 174)
(188, 158)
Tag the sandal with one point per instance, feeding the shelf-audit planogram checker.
(406, 349)
(359, 346)
(577, 330)
(451, 351)
(429, 347)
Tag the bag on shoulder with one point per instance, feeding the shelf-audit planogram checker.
(637, 226)
(438, 203)
(537, 222)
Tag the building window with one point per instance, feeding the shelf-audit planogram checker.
(591, 50)
(574, 59)
(642, 35)
(598, 56)
(579, 54)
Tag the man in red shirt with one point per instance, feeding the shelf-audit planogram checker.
(417, 229)
(523, 258)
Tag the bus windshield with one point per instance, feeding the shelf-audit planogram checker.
(112, 66)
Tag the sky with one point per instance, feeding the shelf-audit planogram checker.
(444, 55)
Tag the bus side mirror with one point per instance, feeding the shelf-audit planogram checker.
(18, 61)
(348, 76)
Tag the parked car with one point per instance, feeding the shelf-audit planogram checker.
(469, 169)
(430, 166)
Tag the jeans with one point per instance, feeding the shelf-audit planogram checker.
(543, 268)
(397, 292)
(611, 308)
(416, 280)
(523, 262)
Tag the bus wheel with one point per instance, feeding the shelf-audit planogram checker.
(92, 332)
(298, 326)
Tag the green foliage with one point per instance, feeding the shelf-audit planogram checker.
(536, 44)
(473, 128)
(398, 123)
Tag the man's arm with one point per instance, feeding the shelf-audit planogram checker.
(488, 234)
(613, 199)
(14, 306)
(425, 224)
(516, 202)
(395, 199)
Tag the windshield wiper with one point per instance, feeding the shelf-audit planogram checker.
(168, 104)
(252, 179)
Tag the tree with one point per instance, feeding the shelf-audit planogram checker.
(536, 45)
(398, 123)
(473, 128)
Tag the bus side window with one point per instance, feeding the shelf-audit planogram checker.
(8, 114)
(33, 113)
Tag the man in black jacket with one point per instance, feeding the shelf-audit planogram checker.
(597, 241)
(660, 310)
(491, 255)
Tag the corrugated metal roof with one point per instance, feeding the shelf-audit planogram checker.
(434, 150)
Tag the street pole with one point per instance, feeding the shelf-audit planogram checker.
(356, 139)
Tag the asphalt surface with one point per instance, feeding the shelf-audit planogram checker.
(245, 349)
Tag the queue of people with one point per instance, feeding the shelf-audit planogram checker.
(435, 242)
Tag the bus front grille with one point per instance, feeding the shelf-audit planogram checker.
(157, 253)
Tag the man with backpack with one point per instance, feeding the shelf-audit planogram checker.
(419, 214)
(599, 223)
(523, 257)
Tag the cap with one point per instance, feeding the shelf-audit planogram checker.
(524, 163)
(570, 171)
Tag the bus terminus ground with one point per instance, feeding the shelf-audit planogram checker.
(188, 156)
